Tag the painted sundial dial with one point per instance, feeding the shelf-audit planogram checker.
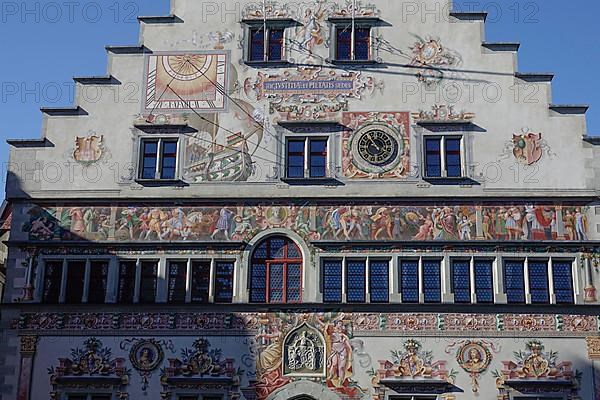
(187, 67)
(377, 148)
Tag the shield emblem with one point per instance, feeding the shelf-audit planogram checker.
(88, 149)
(528, 148)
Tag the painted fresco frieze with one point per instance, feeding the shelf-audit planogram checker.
(94, 362)
(536, 369)
(146, 356)
(376, 145)
(442, 113)
(474, 356)
(338, 222)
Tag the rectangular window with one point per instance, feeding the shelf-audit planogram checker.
(89, 397)
(273, 40)
(75, 282)
(148, 281)
(52, 281)
(293, 283)
(443, 157)
(356, 281)
(98, 282)
(301, 165)
(177, 281)
(514, 281)
(538, 282)
(379, 281)
(127, 270)
(461, 281)
(346, 50)
(562, 274)
(432, 288)
(224, 281)
(159, 159)
(409, 281)
(484, 281)
(332, 281)
(200, 281)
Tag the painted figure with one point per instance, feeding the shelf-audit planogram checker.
(223, 223)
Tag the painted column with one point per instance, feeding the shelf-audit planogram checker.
(590, 289)
(29, 288)
(593, 345)
(28, 349)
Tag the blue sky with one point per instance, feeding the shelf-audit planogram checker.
(45, 43)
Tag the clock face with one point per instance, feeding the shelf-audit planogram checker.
(377, 148)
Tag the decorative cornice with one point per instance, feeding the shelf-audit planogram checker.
(570, 109)
(63, 111)
(469, 15)
(502, 46)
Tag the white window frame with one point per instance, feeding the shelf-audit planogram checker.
(353, 23)
(266, 27)
(307, 139)
(444, 170)
(158, 170)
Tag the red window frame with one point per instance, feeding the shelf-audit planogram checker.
(285, 261)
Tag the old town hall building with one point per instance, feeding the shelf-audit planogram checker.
(316, 200)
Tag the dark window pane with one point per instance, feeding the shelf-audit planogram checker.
(148, 282)
(562, 274)
(432, 281)
(318, 158)
(101, 397)
(75, 282)
(224, 281)
(275, 44)
(461, 281)
(127, 281)
(356, 281)
(343, 43)
(379, 281)
(52, 281)
(409, 281)
(484, 285)
(149, 159)
(177, 281)
(98, 282)
(362, 44)
(200, 281)
(276, 282)
(433, 157)
(538, 282)
(257, 44)
(293, 283)
(295, 159)
(77, 397)
(514, 281)
(169, 160)
(332, 281)
(453, 158)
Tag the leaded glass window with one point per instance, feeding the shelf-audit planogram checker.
(461, 280)
(332, 281)
(514, 281)
(538, 282)
(484, 281)
(356, 281)
(432, 289)
(276, 272)
(379, 281)
(224, 272)
(409, 281)
(562, 274)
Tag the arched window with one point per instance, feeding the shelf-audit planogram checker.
(276, 272)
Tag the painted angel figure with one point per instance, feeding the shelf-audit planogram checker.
(310, 34)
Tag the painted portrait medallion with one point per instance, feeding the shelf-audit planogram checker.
(146, 355)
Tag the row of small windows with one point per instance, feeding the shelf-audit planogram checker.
(110, 397)
(305, 158)
(472, 281)
(76, 282)
(266, 42)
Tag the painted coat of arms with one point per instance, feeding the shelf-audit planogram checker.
(88, 149)
(528, 147)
